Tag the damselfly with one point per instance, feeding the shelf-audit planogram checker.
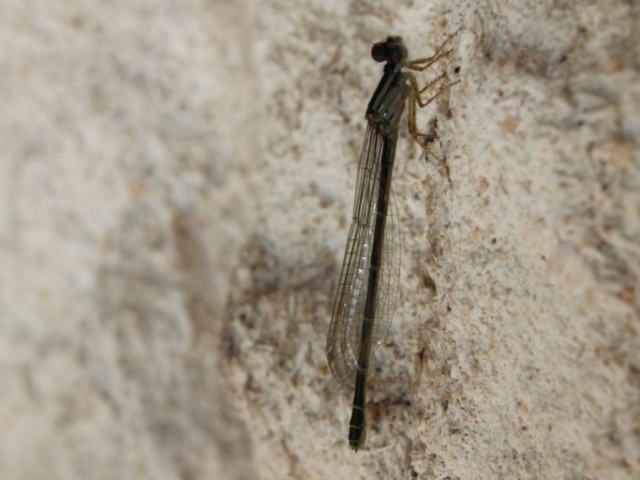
(370, 272)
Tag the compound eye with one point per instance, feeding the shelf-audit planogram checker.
(389, 51)
(380, 51)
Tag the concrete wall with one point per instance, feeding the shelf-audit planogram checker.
(176, 182)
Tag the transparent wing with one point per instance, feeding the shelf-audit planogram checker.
(345, 331)
(389, 276)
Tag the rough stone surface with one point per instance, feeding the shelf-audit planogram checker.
(175, 193)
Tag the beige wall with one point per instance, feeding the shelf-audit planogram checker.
(176, 181)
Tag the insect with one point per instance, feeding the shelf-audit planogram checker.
(368, 283)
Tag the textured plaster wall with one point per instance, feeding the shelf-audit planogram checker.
(176, 182)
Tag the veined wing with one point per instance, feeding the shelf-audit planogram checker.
(345, 331)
